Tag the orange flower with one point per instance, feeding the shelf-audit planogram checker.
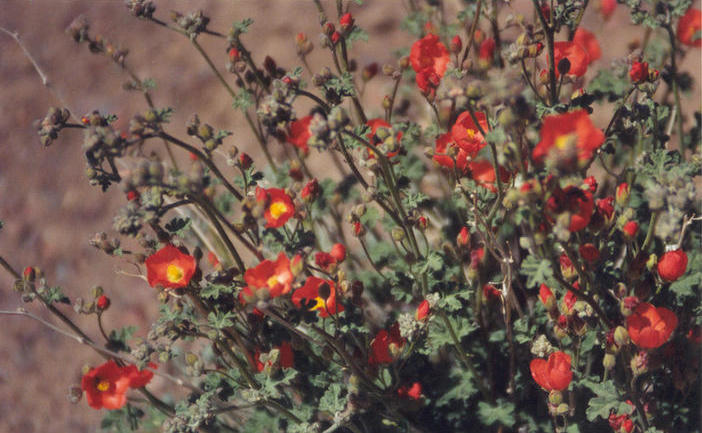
(106, 386)
(607, 8)
(483, 173)
(560, 131)
(299, 133)
(576, 55)
(467, 135)
(554, 374)
(279, 206)
(589, 43)
(672, 265)
(689, 27)
(286, 357)
(547, 297)
(649, 327)
(170, 268)
(275, 277)
(309, 296)
(579, 203)
(385, 345)
(422, 310)
(429, 59)
(444, 142)
(413, 392)
(638, 72)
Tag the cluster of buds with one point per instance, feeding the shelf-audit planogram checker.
(210, 138)
(616, 339)
(324, 130)
(276, 109)
(54, 121)
(79, 31)
(192, 24)
(303, 45)
(101, 242)
(527, 46)
(149, 123)
(141, 8)
(640, 73)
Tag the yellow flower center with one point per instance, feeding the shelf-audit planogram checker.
(103, 386)
(174, 273)
(471, 133)
(565, 141)
(272, 281)
(319, 305)
(278, 208)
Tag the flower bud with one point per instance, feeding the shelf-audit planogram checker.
(555, 397)
(102, 303)
(622, 196)
(609, 361)
(398, 234)
(463, 238)
(621, 336)
(630, 229)
(456, 44)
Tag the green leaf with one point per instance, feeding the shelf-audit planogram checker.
(332, 401)
(463, 389)
(243, 100)
(536, 270)
(605, 401)
(243, 25)
(213, 291)
(502, 413)
(220, 319)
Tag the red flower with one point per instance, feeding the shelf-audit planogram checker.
(132, 195)
(139, 378)
(483, 173)
(212, 258)
(562, 130)
(623, 191)
(621, 423)
(286, 357)
(463, 238)
(102, 303)
(490, 292)
(569, 301)
(311, 190)
(574, 200)
(299, 133)
(591, 183)
(638, 72)
(384, 345)
(245, 160)
(275, 277)
(413, 392)
(649, 327)
(607, 8)
(309, 293)
(279, 206)
(456, 44)
(429, 59)
(575, 53)
(374, 124)
(589, 43)
(689, 27)
(605, 208)
(169, 268)
(546, 296)
(346, 21)
(422, 310)
(554, 374)
(487, 50)
(630, 229)
(106, 386)
(325, 261)
(338, 251)
(672, 265)
(467, 135)
(444, 142)
(589, 252)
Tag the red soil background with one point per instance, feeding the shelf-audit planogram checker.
(49, 209)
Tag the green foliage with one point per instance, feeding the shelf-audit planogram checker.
(502, 413)
(606, 399)
(334, 399)
(243, 100)
(536, 270)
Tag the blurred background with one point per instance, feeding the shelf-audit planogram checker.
(49, 209)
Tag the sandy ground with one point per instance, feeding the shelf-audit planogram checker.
(48, 207)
